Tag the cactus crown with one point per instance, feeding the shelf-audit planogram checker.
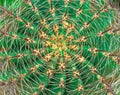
(59, 47)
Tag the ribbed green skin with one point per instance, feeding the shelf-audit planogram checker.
(6, 2)
(63, 52)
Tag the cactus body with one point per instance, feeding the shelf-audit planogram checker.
(59, 47)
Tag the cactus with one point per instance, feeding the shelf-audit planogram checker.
(59, 47)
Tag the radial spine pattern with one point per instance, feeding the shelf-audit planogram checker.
(59, 47)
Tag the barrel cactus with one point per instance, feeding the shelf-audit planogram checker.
(59, 47)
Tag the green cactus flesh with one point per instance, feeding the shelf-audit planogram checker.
(59, 47)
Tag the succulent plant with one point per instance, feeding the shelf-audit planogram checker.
(59, 47)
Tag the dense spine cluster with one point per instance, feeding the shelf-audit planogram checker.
(60, 47)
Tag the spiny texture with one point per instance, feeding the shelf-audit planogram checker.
(59, 47)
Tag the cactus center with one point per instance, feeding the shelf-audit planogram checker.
(62, 41)
(57, 42)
